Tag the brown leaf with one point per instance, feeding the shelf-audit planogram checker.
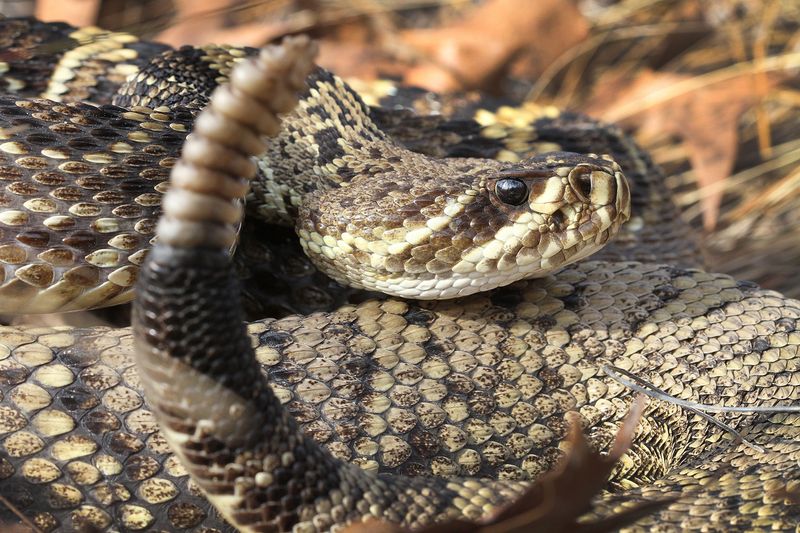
(556, 501)
(705, 118)
(476, 50)
(361, 48)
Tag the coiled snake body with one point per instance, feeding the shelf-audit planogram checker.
(463, 389)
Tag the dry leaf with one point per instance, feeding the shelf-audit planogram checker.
(705, 119)
(556, 501)
(362, 48)
(474, 52)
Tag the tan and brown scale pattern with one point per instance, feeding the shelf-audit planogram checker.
(80, 447)
(696, 335)
(67, 64)
(57, 213)
(485, 397)
(183, 77)
(81, 191)
(391, 385)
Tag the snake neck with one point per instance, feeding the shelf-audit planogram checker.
(372, 214)
(327, 140)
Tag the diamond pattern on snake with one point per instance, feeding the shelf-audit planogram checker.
(406, 405)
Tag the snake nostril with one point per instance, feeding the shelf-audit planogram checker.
(582, 184)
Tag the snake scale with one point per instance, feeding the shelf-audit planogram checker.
(387, 391)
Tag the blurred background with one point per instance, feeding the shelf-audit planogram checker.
(710, 87)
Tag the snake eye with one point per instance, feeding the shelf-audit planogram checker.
(511, 191)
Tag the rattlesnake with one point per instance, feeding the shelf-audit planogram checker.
(470, 387)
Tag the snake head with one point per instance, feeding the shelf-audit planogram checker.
(465, 226)
(535, 217)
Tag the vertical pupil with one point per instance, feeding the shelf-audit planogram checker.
(511, 191)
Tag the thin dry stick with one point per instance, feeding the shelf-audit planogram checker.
(787, 96)
(755, 409)
(778, 193)
(296, 22)
(789, 157)
(574, 76)
(736, 32)
(661, 395)
(24, 519)
(760, 79)
(643, 386)
(621, 12)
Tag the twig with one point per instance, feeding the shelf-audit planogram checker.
(24, 519)
(596, 41)
(770, 15)
(755, 409)
(643, 386)
(780, 159)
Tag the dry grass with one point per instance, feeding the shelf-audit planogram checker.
(757, 236)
